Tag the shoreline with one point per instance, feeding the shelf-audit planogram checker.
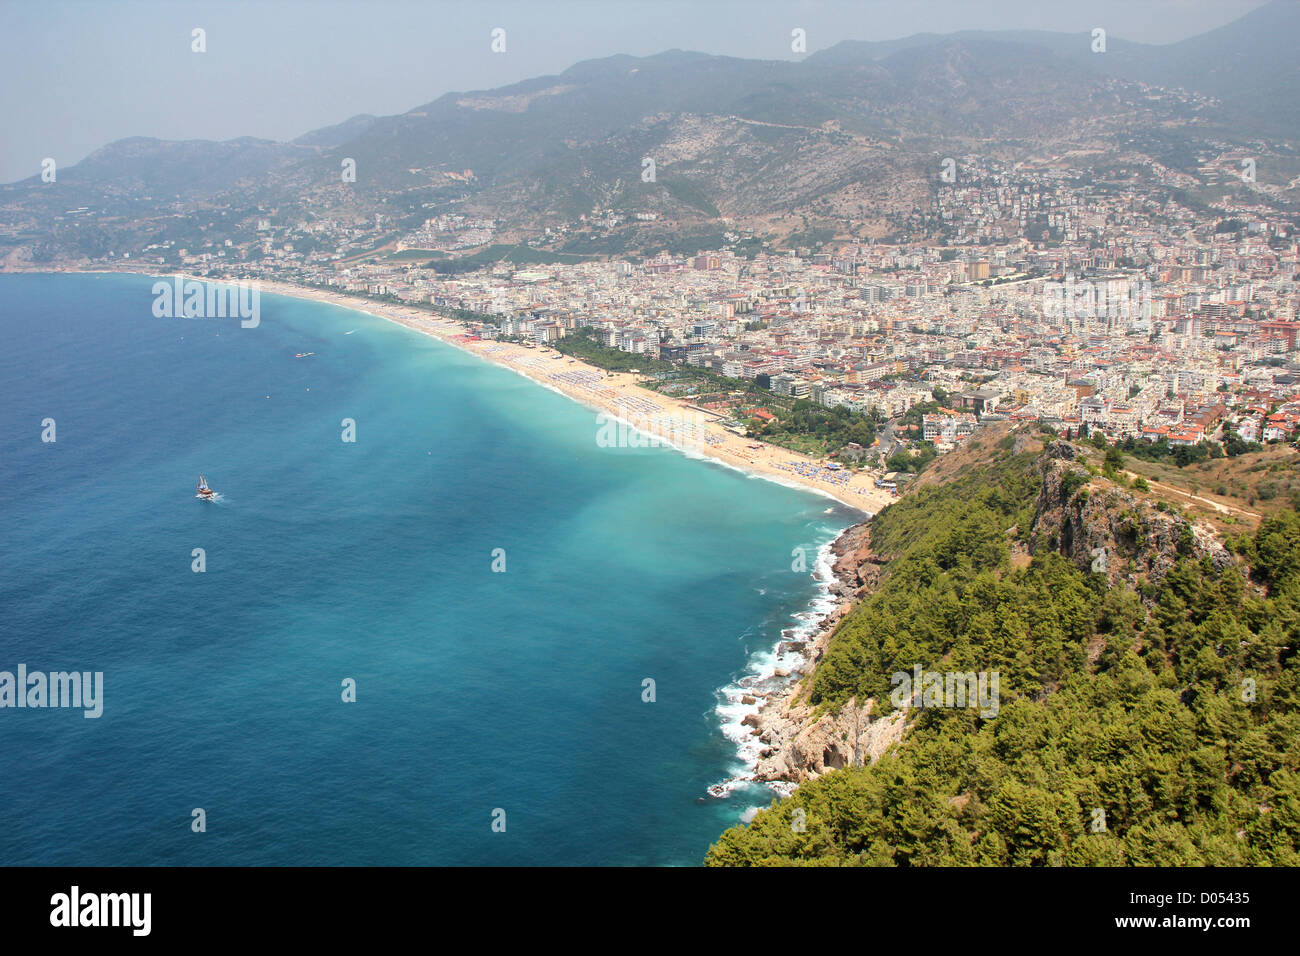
(757, 712)
(664, 420)
(764, 698)
(757, 709)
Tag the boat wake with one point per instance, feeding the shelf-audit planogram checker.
(204, 493)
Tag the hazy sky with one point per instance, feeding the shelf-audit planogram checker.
(77, 74)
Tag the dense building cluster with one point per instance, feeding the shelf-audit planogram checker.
(1042, 291)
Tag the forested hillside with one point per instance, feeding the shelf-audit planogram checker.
(1140, 723)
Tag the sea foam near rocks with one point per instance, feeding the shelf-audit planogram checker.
(772, 672)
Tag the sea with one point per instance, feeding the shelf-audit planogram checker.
(471, 635)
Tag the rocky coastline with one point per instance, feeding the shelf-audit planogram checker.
(1104, 529)
(797, 744)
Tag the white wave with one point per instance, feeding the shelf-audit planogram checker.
(759, 679)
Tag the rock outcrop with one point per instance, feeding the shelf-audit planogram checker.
(798, 743)
(1103, 528)
(803, 746)
(857, 568)
(1098, 525)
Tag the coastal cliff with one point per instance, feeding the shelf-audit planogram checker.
(1098, 526)
(802, 742)
(1105, 529)
(1146, 712)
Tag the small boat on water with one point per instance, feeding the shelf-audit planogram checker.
(204, 492)
(304, 354)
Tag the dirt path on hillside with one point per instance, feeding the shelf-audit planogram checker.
(1181, 493)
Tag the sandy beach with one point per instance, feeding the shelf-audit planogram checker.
(653, 417)
(665, 419)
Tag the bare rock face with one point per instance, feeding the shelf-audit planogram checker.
(856, 568)
(803, 748)
(799, 745)
(1061, 450)
(1104, 529)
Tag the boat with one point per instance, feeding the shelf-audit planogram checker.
(204, 492)
(304, 354)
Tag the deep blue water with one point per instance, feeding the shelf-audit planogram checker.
(372, 560)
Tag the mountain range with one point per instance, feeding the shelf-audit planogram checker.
(854, 132)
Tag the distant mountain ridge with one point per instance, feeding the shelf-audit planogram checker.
(856, 130)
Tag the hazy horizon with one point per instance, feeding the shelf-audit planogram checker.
(83, 75)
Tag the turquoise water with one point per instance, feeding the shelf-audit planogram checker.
(371, 560)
